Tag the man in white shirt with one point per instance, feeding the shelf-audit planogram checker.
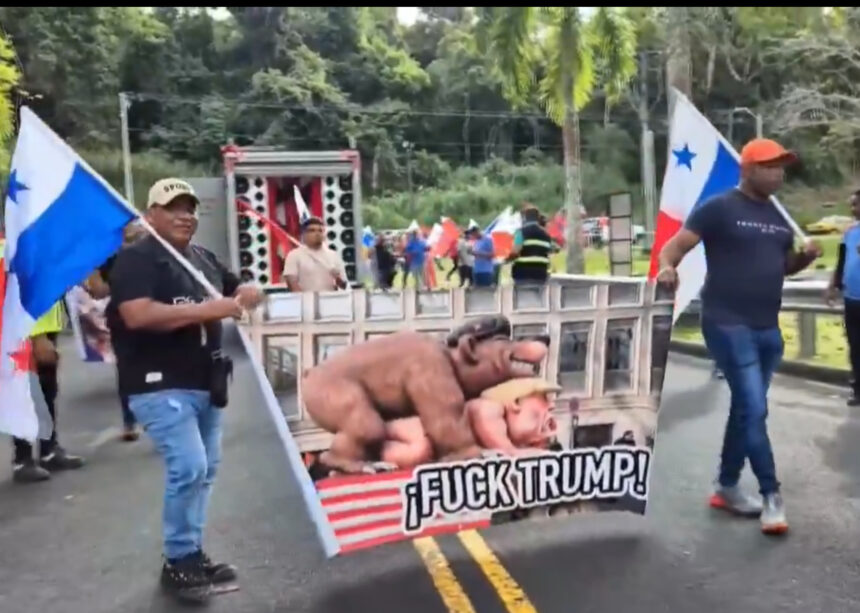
(312, 267)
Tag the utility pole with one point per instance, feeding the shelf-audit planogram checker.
(467, 145)
(408, 146)
(126, 147)
(649, 186)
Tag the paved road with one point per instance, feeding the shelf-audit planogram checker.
(88, 542)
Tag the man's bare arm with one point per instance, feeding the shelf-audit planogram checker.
(147, 314)
(677, 247)
(797, 261)
(293, 283)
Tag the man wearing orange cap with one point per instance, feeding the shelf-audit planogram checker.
(749, 250)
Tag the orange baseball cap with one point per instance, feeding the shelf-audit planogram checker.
(763, 150)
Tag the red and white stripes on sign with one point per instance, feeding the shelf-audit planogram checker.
(367, 510)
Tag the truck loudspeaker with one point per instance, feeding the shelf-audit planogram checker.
(254, 239)
(256, 247)
(339, 219)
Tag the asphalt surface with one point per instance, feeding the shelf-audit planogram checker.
(89, 541)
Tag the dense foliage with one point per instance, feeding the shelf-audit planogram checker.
(443, 124)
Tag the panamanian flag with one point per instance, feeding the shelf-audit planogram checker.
(62, 220)
(701, 165)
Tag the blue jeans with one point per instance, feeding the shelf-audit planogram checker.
(748, 358)
(186, 430)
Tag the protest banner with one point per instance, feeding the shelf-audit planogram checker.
(89, 325)
(410, 414)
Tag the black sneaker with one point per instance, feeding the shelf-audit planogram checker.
(218, 572)
(58, 459)
(29, 472)
(187, 580)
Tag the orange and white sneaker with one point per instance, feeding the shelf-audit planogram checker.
(733, 500)
(773, 519)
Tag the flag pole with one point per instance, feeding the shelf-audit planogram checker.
(192, 270)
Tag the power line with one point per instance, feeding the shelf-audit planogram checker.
(418, 142)
(351, 108)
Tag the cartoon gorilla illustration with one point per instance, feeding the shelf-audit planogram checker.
(354, 393)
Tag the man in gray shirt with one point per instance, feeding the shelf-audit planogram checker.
(465, 257)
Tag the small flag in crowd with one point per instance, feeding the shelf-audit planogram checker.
(62, 222)
(301, 206)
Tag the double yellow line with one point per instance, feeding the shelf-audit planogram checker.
(453, 595)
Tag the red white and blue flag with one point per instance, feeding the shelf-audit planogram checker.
(701, 165)
(62, 221)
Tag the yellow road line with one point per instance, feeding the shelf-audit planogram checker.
(509, 591)
(452, 593)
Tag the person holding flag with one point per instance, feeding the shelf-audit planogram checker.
(52, 456)
(167, 338)
(312, 267)
(62, 220)
(748, 250)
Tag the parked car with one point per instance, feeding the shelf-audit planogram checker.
(832, 224)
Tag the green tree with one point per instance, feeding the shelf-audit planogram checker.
(567, 52)
(71, 58)
(8, 80)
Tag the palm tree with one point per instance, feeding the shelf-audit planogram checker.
(572, 54)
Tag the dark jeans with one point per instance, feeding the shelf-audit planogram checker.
(852, 332)
(128, 419)
(748, 358)
(482, 279)
(465, 275)
(48, 382)
(386, 278)
(454, 268)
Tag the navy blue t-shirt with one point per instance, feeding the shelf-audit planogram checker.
(746, 246)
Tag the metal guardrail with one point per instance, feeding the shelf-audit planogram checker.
(806, 299)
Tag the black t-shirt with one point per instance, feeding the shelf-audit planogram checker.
(150, 360)
(746, 246)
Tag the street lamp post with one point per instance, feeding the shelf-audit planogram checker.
(759, 127)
